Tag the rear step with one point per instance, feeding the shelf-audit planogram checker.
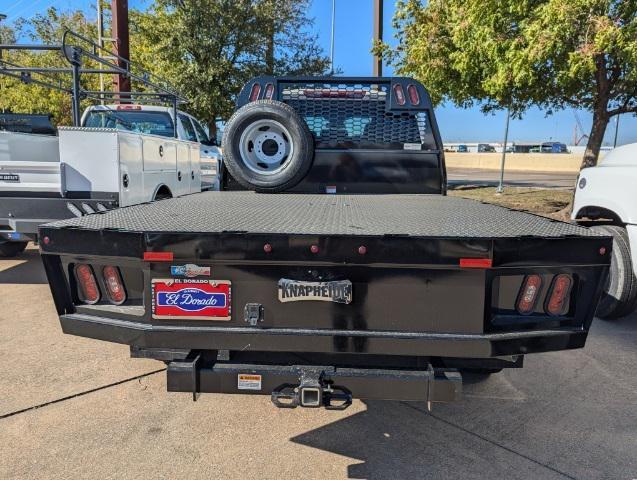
(313, 386)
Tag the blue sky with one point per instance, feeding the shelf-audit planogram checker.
(353, 38)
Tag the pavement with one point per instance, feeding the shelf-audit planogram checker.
(491, 178)
(79, 408)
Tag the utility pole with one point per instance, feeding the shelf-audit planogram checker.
(378, 36)
(332, 38)
(119, 27)
(2, 17)
(100, 41)
(500, 188)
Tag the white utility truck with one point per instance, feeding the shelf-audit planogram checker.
(134, 158)
(134, 150)
(606, 200)
(188, 128)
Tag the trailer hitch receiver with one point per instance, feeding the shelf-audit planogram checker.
(312, 391)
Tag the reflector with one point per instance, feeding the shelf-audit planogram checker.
(158, 256)
(476, 263)
(88, 290)
(529, 292)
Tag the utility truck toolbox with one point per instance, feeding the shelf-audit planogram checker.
(347, 284)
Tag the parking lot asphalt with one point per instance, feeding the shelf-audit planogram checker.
(102, 415)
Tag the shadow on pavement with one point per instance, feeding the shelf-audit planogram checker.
(396, 440)
(566, 414)
(23, 269)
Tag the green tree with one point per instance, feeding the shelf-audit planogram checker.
(210, 48)
(517, 53)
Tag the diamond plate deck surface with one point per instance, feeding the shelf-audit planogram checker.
(375, 215)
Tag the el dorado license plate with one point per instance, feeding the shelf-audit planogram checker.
(191, 299)
(9, 177)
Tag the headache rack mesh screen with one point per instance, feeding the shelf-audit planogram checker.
(353, 115)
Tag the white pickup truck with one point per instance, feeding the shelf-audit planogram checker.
(134, 158)
(606, 200)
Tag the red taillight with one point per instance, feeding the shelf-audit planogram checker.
(412, 91)
(529, 294)
(255, 91)
(558, 300)
(114, 286)
(88, 290)
(399, 94)
(269, 91)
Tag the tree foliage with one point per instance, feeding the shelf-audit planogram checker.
(518, 53)
(44, 28)
(210, 48)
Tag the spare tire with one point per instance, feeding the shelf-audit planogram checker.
(267, 147)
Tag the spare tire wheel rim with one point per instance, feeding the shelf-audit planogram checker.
(265, 147)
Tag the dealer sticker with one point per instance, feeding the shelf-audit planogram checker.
(190, 270)
(191, 299)
(248, 381)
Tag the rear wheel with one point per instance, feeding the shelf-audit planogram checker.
(267, 146)
(620, 291)
(11, 249)
(163, 194)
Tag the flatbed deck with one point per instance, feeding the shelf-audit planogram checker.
(430, 216)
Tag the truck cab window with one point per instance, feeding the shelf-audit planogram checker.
(153, 123)
(201, 133)
(188, 128)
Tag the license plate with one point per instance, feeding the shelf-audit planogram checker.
(191, 299)
(9, 177)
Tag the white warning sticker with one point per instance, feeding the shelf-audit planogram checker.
(248, 381)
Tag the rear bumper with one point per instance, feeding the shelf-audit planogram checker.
(146, 335)
(285, 381)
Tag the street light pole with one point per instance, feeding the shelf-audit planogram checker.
(2, 17)
(332, 38)
(500, 188)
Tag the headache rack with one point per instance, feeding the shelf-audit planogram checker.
(354, 113)
(80, 56)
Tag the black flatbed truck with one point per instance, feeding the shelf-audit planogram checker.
(316, 299)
